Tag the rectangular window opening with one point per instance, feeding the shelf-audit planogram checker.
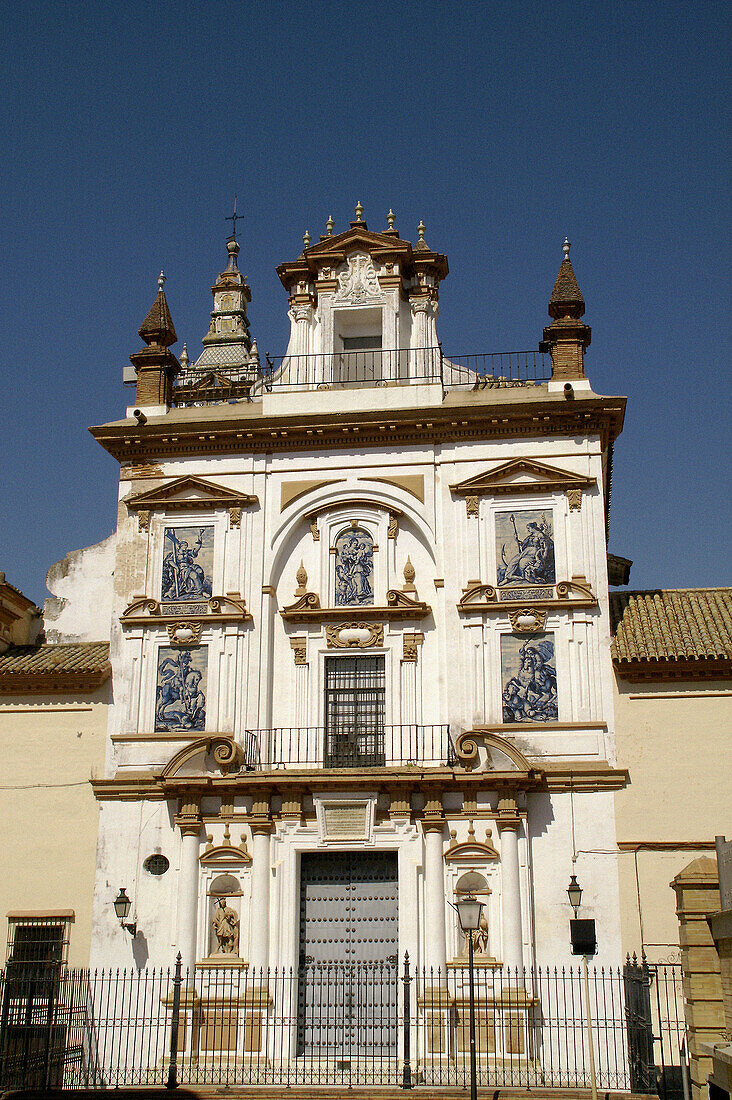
(355, 689)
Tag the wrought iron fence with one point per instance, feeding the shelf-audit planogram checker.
(354, 369)
(375, 746)
(382, 1023)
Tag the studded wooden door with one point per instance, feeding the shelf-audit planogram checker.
(348, 955)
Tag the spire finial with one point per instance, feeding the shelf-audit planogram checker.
(359, 211)
(566, 247)
(329, 226)
(161, 282)
(421, 229)
(306, 238)
(390, 218)
(233, 219)
(183, 357)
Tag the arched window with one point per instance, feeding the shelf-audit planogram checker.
(354, 568)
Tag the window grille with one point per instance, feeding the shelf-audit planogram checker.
(354, 712)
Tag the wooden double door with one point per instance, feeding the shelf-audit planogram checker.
(348, 974)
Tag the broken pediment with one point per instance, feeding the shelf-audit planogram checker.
(470, 851)
(189, 494)
(205, 756)
(481, 749)
(226, 854)
(521, 475)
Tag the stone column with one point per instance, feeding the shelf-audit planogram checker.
(188, 821)
(435, 954)
(261, 874)
(508, 825)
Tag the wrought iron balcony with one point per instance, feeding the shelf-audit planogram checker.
(358, 369)
(315, 747)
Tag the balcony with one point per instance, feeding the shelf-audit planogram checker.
(360, 369)
(319, 747)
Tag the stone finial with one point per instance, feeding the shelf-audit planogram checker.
(390, 218)
(421, 244)
(306, 238)
(566, 247)
(329, 225)
(421, 229)
(254, 353)
(232, 247)
(409, 575)
(302, 580)
(359, 211)
(162, 279)
(184, 360)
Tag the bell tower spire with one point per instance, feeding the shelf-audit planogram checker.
(567, 335)
(228, 343)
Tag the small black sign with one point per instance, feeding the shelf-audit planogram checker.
(584, 940)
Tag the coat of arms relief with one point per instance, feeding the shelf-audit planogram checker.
(358, 283)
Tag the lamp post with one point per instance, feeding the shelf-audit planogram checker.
(469, 910)
(574, 893)
(122, 908)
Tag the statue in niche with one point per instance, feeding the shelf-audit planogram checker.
(226, 929)
(354, 568)
(480, 938)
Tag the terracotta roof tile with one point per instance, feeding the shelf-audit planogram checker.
(70, 665)
(681, 624)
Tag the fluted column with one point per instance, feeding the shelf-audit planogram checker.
(261, 874)
(512, 936)
(189, 822)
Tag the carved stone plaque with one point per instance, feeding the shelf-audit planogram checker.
(345, 820)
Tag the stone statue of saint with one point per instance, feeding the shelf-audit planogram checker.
(480, 938)
(226, 927)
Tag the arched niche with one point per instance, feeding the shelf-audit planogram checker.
(474, 884)
(224, 897)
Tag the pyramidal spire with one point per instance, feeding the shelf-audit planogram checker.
(566, 299)
(155, 365)
(158, 328)
(228, 342)
(567, 336)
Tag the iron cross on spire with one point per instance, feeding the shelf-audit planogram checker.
(233, 219)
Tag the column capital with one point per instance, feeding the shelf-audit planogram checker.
(433, 824)
(260, 825)
(188, 818)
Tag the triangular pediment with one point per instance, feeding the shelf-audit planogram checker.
(189, 493)
(521, 475)
(357, 239)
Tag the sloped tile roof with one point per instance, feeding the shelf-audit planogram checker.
(682, 625)
(54, 667)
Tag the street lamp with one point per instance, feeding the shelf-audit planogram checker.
(469, 911)
(122, 908)
(574, 893)
(582, 934)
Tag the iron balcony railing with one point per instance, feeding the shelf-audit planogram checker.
(382, 1023)
(359, 369)
(327, 747)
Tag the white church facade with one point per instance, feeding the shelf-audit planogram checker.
(360, 641)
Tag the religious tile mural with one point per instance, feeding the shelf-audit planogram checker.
(354, 568)
(187, 564)
(529, 678)
(180, 700)
(525, 547)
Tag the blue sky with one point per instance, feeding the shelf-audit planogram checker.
(127, 128)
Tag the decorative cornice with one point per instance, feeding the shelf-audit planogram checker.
(666, 670)
(399, 607)
(218, 609)
(568, 595)
(209, 432)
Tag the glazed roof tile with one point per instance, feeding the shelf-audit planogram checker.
(673, 624)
